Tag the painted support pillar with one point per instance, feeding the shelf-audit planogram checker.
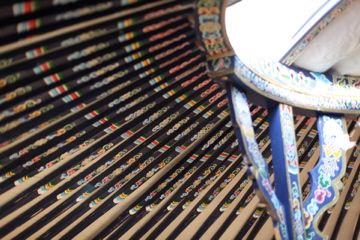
(286, 168)
(326, 175)
(259, 168)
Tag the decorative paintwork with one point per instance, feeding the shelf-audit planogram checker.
(326, 175)
(259, 167)
(298, 88)
(286, 168)
(219, 65)
(285, 85)
(345, 81)
(210, 26)
(209, 19)
(273, 80)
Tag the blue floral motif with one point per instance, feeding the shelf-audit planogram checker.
(326, 175)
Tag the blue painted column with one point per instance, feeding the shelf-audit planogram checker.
(286, 168)
(259, 169)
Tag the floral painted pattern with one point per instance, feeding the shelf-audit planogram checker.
(326, 175)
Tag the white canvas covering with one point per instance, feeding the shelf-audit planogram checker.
(279, 24)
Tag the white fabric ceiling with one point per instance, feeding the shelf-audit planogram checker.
(268, 29)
